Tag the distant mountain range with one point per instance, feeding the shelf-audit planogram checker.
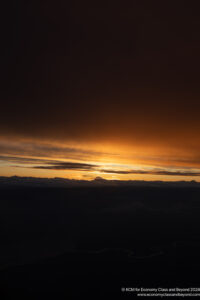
(16, 181)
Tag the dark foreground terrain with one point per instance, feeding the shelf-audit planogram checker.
(91, 241)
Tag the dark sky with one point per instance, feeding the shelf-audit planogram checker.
(78, 70)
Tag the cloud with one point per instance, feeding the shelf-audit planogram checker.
(47, 164)
(50, 164)
(23, 160)
(67, 166)
(152, 172)
(17, 149)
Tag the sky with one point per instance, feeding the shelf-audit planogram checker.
(94, 89)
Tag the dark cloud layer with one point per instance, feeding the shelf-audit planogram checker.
(82, 71)
(153, 172)
(67, 166)
(46, 164)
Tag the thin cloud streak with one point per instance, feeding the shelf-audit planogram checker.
(152, 172)
(47, 164)
(67, 166)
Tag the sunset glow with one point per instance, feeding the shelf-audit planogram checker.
(90, 92)
(110, 161)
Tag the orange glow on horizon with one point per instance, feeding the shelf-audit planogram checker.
(88, 161)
